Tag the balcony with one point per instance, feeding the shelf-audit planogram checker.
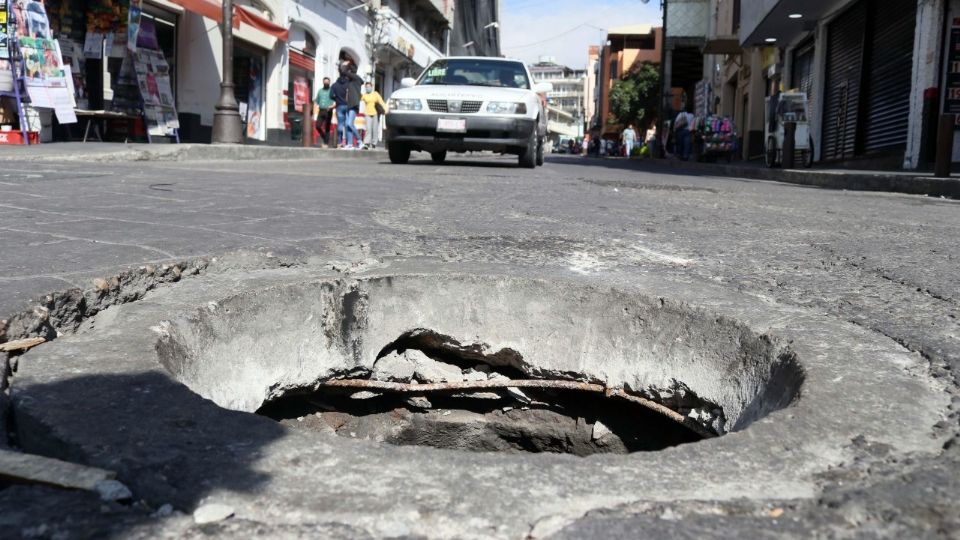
(402, 38)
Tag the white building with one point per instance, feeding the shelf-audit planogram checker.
(569, 91)
(387, 41)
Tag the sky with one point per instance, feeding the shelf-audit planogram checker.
(565, 28)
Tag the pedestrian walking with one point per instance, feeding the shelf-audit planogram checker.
(586, 145)
(683, 129)
(326, 108)
(629, 138)
(346, 94)
(373, 109)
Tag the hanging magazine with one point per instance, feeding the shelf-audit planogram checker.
(153, 78)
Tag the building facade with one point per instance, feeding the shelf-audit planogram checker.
(687, 25)
(591, 88)
(387, 40)
(625, 49)
(877, 73)
(282, 49)
(737, 78)
(569, 86)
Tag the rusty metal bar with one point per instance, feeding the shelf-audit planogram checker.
(386, 386)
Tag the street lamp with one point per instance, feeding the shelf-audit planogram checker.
(227, 125)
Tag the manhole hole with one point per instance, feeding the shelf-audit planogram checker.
(481, 363)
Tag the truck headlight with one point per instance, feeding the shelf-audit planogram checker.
(405, 105)
(506, 107)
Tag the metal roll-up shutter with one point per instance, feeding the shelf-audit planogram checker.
(845, 37)
(801, 76)
(889, 73)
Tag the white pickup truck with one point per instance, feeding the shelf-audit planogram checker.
(470, 103)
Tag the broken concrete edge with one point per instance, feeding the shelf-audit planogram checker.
(197, 152)
(22, 468)
(62, 312)
(891, 182)
(592, 483)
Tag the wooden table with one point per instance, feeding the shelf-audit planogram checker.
(100, 116)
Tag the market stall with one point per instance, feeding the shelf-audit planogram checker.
(715, 137)
(97, 64)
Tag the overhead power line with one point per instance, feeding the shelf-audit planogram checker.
(551, 38)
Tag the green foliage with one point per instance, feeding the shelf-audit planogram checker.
(634, 98)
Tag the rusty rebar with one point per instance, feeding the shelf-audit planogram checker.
(386, 386)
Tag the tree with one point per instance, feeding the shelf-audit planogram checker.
(634, 98)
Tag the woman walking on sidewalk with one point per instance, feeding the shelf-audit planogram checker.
(373, 108)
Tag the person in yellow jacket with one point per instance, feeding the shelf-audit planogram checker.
(373, 109)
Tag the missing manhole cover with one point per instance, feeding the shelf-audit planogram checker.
(413, 399)
(256, 339)
(473, 364)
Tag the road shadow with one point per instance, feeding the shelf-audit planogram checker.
(167, 444)
(492, 162)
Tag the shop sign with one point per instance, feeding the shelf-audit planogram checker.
(768, 57)
(405, 47)
(952, 102)
(301, 93)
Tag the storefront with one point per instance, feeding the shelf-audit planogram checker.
(801, 68)
(868, 79)
(249, 62)
(301, 77)
(117, 61)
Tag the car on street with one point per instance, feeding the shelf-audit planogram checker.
(464, 104)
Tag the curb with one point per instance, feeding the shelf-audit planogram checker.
(192, 152)
(907, 183)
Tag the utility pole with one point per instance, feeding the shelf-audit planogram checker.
(664, 91)
(227, 125)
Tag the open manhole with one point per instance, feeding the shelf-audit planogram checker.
(481, 363)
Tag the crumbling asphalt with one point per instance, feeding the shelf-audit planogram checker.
(880, 265)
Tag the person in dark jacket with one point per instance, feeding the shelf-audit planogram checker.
(338, 93)
(346, 94)
(354, 93)
(325, 108)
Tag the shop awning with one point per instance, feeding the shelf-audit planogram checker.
(258, 22)
(213, 10)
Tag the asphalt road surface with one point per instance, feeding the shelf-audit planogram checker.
(887, 263)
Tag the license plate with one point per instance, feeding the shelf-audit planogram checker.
(452, 125)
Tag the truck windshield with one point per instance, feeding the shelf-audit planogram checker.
(469, 72)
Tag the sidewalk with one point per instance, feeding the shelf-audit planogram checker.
(909, 182)
(118, 152)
